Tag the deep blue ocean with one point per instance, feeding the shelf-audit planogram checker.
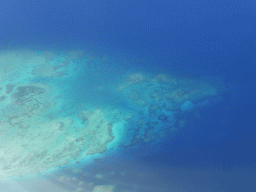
(213, 40)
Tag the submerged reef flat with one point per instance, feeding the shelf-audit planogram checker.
(61, 108)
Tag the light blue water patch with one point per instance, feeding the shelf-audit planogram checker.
(187, 106)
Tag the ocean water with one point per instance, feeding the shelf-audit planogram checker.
(127, 96)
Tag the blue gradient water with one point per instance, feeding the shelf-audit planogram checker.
(213, 41)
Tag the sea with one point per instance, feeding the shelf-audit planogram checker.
(127, 96)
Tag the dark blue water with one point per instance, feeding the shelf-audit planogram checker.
(213, 40)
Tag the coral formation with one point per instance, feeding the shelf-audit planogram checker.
(43, 125)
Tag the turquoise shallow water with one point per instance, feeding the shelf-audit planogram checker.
(73, 126)
(59, 109)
